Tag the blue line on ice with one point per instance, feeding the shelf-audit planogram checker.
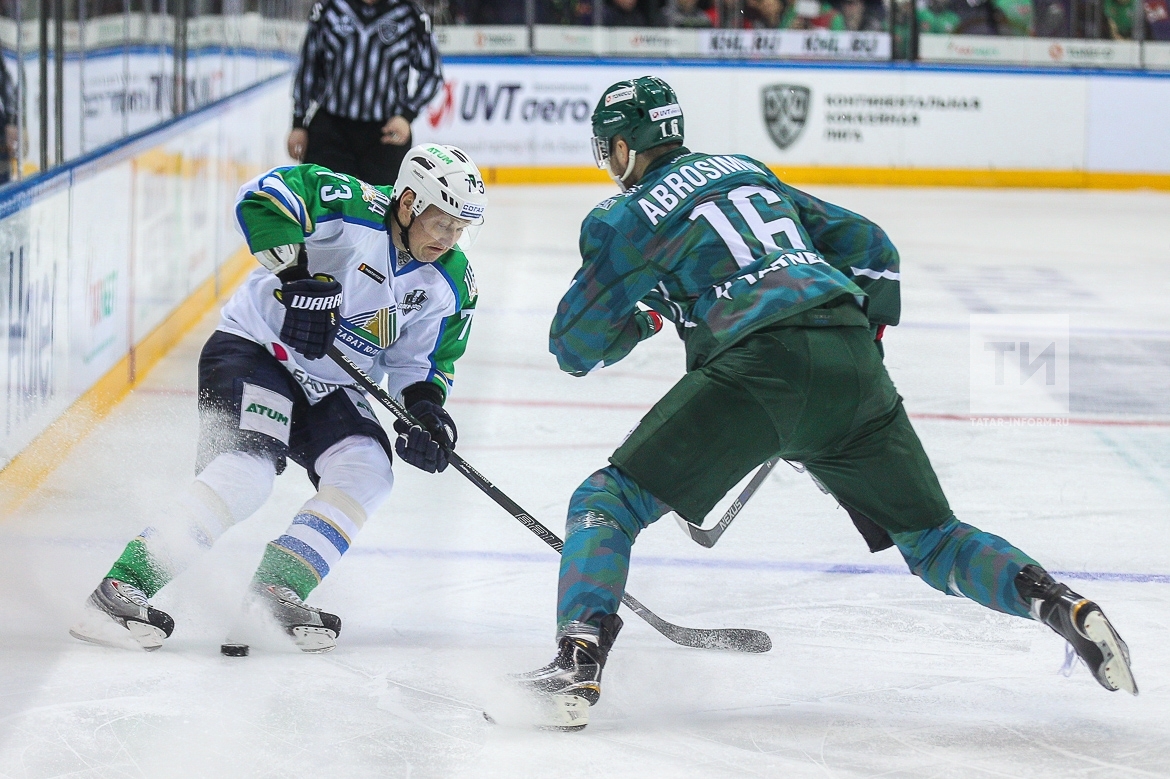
(753, 565)
(651, 561)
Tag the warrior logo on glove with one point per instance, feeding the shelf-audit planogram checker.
(312, 315)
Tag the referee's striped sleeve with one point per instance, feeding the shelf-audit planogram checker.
(426, 62)
(305, 82)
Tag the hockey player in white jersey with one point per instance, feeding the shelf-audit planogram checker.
(375, 270)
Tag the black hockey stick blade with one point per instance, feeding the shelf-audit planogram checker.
(709, 536)
(733, 639)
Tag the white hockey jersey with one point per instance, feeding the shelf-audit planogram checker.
(406, 321)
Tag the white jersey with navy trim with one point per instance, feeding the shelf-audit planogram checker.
(393, 318)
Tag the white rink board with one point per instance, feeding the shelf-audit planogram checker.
(521, 114)
(99, 256)
(892, 119)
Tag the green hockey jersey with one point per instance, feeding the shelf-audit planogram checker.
(721, 247)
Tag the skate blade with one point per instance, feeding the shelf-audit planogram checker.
(565, 713)
(1115, 669)
(97, 627)
(314, 640)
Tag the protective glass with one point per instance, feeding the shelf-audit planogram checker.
(442, 228)
(601, 152)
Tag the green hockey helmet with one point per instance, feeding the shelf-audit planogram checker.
(643, 111)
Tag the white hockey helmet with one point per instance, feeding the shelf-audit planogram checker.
(446, 178)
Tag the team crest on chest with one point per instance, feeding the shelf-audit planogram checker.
(370, 332)
(376, 199)
(414, 300)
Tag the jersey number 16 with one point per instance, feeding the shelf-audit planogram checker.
(764, 231)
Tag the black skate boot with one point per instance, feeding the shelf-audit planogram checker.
(311, 629)
(1082, 623)
(116, 611)
(571, 683)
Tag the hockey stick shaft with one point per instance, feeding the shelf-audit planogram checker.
(735, 639)
(709, 536)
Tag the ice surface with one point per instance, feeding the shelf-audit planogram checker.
(873, 674)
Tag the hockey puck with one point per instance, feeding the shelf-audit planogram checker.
(233, 650)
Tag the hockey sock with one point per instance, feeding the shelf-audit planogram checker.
(355, 479)
(319, 535)
(231, 488)
(962, 560)
(606, 513)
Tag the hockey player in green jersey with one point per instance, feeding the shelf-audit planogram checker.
(373, 270)
(778, 298)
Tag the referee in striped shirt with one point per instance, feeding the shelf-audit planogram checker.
(368, 67)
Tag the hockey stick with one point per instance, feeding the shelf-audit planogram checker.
(709, 536)
(735, 639)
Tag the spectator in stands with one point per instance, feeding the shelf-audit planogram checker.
(993, 17)
(792, 15)
(10, 121)
(688, 13)
(937, 16)
(631, 13)
(863, 16)
(1016, 16)
(811, 14)
(1051, 18)
(762, 14)
(1119, 19)
(367, 68)
(564, 12)
(1157, 20)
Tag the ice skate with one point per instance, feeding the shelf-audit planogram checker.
(311, 629)
(117, 611)
(1082, 623)
(571, 683)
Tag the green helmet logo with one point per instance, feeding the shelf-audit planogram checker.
(644, 111)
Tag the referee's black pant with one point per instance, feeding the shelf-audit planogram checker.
(354, 147)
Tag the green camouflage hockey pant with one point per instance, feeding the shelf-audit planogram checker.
(819, 396)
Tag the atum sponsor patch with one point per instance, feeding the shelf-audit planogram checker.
(265, 411)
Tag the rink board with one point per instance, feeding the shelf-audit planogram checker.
(530, 121)
(108, 262)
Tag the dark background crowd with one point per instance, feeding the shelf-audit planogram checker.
(749, 14)
(1090, 19)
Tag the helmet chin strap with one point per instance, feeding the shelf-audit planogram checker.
(621, 180)
(403, 230)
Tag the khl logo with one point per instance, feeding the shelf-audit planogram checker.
(785, 112)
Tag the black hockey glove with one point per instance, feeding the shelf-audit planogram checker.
(312, 314)
(426, 444)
